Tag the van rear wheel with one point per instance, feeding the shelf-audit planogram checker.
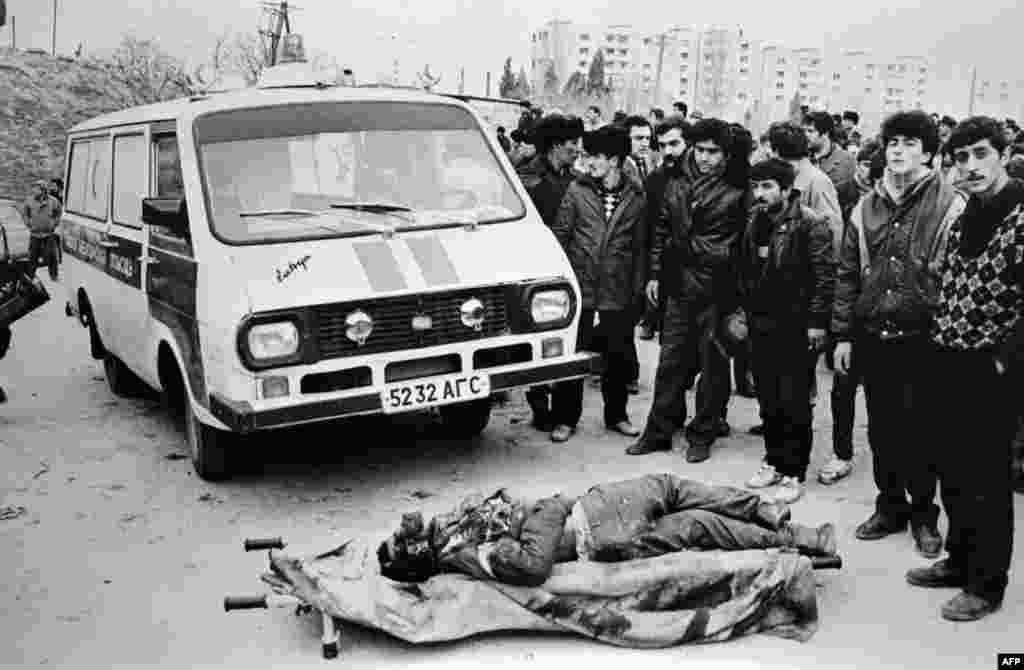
(466, 419)
(122, 381)
(208, 447)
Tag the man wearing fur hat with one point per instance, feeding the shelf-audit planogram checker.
(787, 274)
(546, 178)
(600, 224)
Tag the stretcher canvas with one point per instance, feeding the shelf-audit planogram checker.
(679, 598)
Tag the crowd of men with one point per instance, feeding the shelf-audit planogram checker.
(900, 257)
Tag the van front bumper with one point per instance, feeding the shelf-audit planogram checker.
(240, 416)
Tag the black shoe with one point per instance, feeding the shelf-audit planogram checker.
(645, 446)
(698, 452)
(939, 575)
(877, 527)
(927, 539)
(757, 430)
(969, 607)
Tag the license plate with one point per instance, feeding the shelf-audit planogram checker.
(413, 395)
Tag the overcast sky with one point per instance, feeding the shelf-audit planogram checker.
(479, 34)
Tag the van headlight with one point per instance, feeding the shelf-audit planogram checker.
(358, 326)
(549, 306)
(267, 341)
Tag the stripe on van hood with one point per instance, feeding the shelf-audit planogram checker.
(380, 266)
(433, 259)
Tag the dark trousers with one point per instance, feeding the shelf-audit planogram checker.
(687, 347)
(612, 338)
(894, 374)
(782, 377)
(971, 446)
(632, 358)
(844, 402)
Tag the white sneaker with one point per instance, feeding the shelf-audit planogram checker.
(835, 470)
(765, 476)
(790, 490)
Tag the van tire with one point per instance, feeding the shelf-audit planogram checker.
(466, 419)
(122, 381)
(208, 447)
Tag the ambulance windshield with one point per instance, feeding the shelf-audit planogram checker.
(351, 164)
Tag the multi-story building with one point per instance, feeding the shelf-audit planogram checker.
(721, 71)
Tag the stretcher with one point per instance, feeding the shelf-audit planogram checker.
(698, 596)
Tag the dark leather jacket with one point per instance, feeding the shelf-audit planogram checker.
(694, 238)
(794, 284)
(545, 185)
(887, 280)
(608, 256)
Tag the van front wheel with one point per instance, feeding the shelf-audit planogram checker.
(208, 447)
(122, 381)
(466, 419)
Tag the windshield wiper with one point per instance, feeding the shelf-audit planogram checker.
(374, 207)
(278, 212)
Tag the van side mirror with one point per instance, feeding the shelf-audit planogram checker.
(169, 213)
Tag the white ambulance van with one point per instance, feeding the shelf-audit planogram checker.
(277, 256)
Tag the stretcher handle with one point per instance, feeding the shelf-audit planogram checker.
(257, 544)
(827, 562)
(245, 603)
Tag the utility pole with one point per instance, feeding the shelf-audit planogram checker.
(974, 82)
(14, 34)
(278, 24)
(658, 71)
(462, 80)
(488, 93)
(53, 35)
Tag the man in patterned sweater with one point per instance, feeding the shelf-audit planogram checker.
(979, 347)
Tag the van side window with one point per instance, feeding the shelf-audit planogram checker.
(77, 176)
(169, 183)
(130, 185)
(89, 178)
(97, 189)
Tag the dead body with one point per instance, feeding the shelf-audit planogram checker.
(518, 542)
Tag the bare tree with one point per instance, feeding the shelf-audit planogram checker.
(149, 74)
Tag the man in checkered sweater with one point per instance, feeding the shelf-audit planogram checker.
(976, 370)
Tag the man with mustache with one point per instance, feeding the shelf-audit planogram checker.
(974, 375)
(787, 274)
(886, 293)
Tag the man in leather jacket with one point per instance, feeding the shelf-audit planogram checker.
(519, 541)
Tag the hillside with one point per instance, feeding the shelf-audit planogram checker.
(41, 97)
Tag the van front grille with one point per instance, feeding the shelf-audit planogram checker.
(392, 322)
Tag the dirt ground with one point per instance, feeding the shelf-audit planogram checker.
(121, 556)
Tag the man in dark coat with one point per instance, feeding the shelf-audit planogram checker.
(600, 225)
(974, 373)
(671, 136)
(518, 541)
(700, 222)
(886, 293)
(787, 274)
(546, 178)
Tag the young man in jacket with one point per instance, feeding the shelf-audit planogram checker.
(831, 158)
(787, 275)
(974, 375)
(886, 293)
(700, 221)
(600, 224)
(42, 214)
(671, 138)
(546, 177)
(518, 541)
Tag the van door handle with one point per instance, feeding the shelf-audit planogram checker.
(148, 260)
(109, 244)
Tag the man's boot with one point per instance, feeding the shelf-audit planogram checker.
(820, 541)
